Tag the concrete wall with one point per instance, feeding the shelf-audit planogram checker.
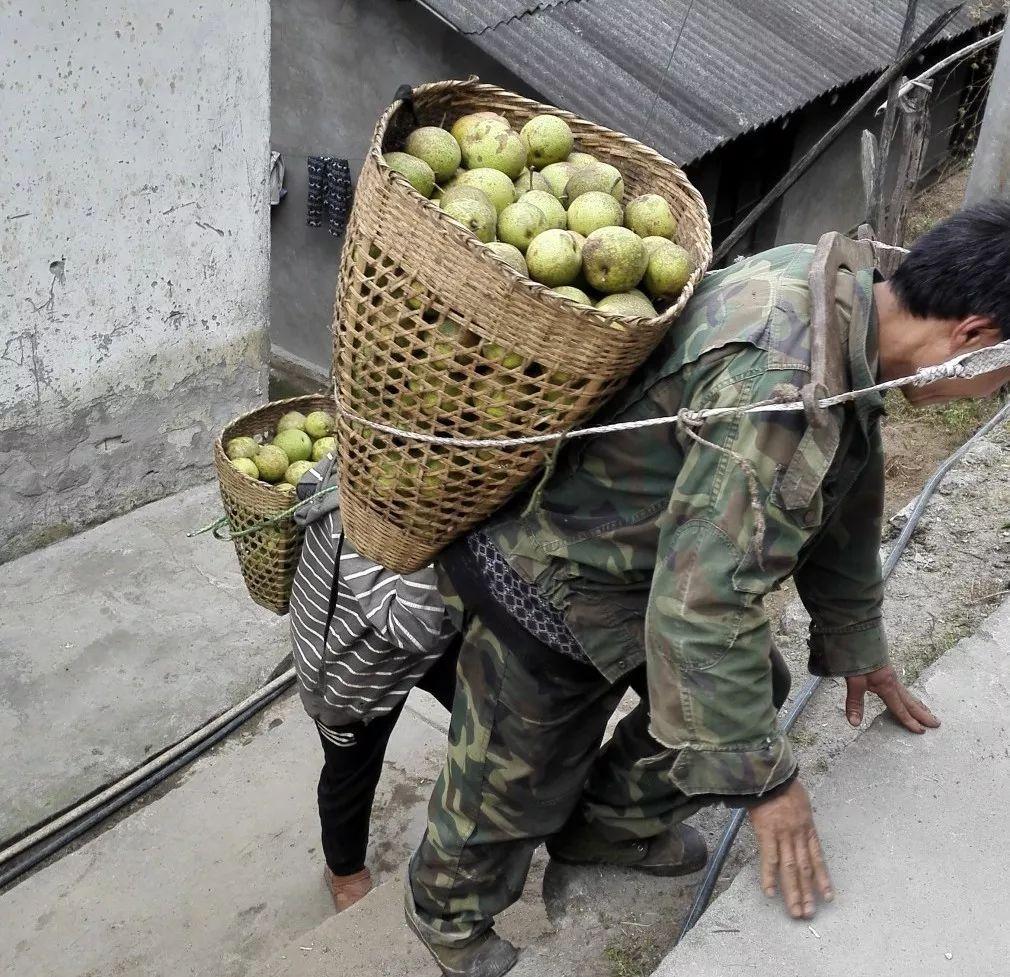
(335, 67)
(135, 250)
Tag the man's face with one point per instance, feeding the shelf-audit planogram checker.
(951, 338)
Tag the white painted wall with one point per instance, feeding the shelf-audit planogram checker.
(134, 249)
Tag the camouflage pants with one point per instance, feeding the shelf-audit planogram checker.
(524, 757)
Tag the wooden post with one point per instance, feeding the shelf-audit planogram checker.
(914, 129)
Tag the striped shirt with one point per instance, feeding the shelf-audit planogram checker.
(362, 636)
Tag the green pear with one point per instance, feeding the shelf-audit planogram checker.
(530, 180)
(497, 353)
(246, 466)
(581, 159)
(552, 208)
(324, 447)
(627, 304)
(650, 215)
(556, 176)
(499, 188)
(653, 243)
(669, 270)
(576, 295)
(437, 148)
(272, 462)
(594, 210)
(297, 445)
(596, 176)
(241, 448)
(319, 424)
(296, 471)
(494, 148)
(554, 258)
(458, 190)
(415, 171)
(519, 223)
(614, 259)
(477, 216)
(511, 255)
(548, 140)
(292, 420)
(462, 126)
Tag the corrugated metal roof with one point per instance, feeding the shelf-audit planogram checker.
(738, 64)
(469, 17)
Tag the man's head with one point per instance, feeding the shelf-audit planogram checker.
(950, 295)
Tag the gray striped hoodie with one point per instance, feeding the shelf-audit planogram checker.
(362, 635)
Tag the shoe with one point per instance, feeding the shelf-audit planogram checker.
(348, 889)
(487, 956)
(679, 851)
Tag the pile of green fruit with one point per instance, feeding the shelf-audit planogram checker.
(553, 214)
(299, 443)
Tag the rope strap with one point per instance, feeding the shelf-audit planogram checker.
(216, 528)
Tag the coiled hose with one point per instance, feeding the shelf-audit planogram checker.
(732, 829)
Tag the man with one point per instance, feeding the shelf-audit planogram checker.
(644, 561)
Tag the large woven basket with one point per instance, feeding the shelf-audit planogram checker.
(424, 316)
(269, 556)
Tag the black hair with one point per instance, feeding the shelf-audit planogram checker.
(961, 267)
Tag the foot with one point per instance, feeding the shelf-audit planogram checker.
(679, 851)
(487, 956)
(348, 889)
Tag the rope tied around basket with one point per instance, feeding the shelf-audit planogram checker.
(215, 528)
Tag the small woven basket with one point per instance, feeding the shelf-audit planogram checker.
(269, 556)
(436, 335)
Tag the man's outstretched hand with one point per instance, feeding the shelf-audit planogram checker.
(884, 682)
(791, 858)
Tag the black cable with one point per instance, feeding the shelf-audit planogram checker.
(732, 829)
(52, 845)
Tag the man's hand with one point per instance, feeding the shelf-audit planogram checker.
(791, 852)
(904, 706)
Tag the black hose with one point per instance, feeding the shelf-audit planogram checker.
(732, 829)
(51, 846)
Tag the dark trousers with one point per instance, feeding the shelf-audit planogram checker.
(353, 763)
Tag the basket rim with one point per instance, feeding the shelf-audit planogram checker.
(543, 293)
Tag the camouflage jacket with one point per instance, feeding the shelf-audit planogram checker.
(645, 539)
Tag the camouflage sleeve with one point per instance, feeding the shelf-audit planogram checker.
(840, 583)
(708, 640)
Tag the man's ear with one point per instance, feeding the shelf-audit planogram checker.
(974, 332)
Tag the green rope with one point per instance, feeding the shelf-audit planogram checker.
(215, 528)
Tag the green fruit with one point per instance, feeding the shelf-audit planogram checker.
(594, 210)
(669, 270)
(324, 447)
(596, 176)
(556, 176)
(498, 149)
(319, 424)
(499, 188)
(575, 294)
(437, 148)
(464, 124)
(653, 243)
(477, 216)
(272, 462)
(499, 354)
(548, 140)
(511, 255)
(246, 466)
(650, 216)
(296, 471)
(552, 208)
(297, 445)
(614, 259)
(241, 448)
(627, 304)
(519, 223)
(461, 190)
(293, 420)
(530, 180)
(554, 258)
(582, 159)
(415, 171)
(286, 488)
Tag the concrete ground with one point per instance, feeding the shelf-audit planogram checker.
(115, 644)
(915, 834)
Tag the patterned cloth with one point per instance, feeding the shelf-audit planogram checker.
(522, 601)
(330, 193)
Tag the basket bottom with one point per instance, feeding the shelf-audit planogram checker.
(377, 539)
